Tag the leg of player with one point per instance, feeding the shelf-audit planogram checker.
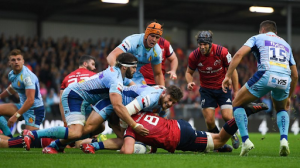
(243, 97)
(226, 111)
(6, 110)
(209, 116)
(128, 145)
(3, 126)
(283, 122)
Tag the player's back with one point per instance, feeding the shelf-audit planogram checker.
(272, 53)
(76, 76)
(26, 80)
(148, 96)
(163, 133)
(97, 87)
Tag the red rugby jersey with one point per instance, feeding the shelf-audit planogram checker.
(167, 51)
(76, 76)
(211, 68)
(163, 133)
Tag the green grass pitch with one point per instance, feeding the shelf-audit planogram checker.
(265, 155)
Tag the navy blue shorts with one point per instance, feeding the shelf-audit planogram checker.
(190, 139)
(213, 97)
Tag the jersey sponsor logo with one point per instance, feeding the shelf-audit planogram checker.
(217, 62)
(146, 101)
(278, 82)
(211, 71)
(209, 68)
(27, 81)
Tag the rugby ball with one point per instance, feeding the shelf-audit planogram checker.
(140, 148)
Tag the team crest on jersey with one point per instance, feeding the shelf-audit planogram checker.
(146, 101)
(21, 77)
(144, 82)
(30, 120)
(150, 58)
(19, 84)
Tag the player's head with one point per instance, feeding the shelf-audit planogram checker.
(170, 96)
(204, 40)
(16, 60)
(152, 34)
(128, 63)
(88, 62)
(267, 26)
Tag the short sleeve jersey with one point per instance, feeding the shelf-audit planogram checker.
(76, 76)
(167, 51)
(272, 53)
(98, 86)
(211, 68)
(134, 44)
(163, 133)
(26, 80)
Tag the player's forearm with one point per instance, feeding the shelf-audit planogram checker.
(111, 60)
(234, 63)
(123, 113)
(7, 92)
(235, 81)
(26, 106)
(174, 65)
(188, 77)
(159, 79)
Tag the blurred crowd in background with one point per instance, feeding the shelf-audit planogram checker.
(52, 59)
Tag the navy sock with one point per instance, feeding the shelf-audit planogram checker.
(214, 130)
(15, 142)
(230, 127)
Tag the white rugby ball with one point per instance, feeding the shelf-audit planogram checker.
(140, 148)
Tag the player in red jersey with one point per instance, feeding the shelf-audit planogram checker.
(212, 61)
(174, 135)
(167, 54)
(85, 70)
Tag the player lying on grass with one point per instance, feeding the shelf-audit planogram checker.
(171, 134)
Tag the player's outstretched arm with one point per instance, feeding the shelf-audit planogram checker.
(112, 57)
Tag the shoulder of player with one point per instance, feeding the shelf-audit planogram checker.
(195, 54)
(219, 50)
